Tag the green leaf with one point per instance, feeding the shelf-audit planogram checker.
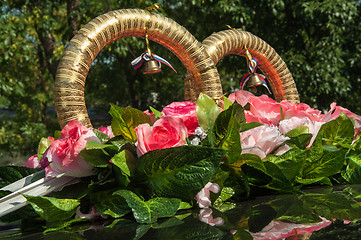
(225, 132)
(352, 172)
(101, 136)
(291, 209)
(74, 191)
(43, 146)
(266, 174)
(125, 120)
(227, 103)
(331, 206)
(291, 162)
(243, 158)
(57, 134)
(66, 224)
(119, 144)
(109, 203)
(338, 131)
(151, 210)
(53, 209)
(206, 111)
(125, 162)
(157, 113)
(10, 174)
(95, 157)
(179, 172)
(317, 180)
(299, 136)
(329, 164)
(247, 126)
(95, 145)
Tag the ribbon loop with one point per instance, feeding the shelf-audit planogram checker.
(137, 62)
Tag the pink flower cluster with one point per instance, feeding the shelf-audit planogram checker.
(278, 119)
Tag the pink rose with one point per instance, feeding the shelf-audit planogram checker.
(300, 110)
(261, 140)
(186, 111)
(166, 132)
(62, 157)
(107, 130)
(264, 110)
(203, 196)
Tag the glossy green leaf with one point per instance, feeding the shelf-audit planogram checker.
(53, 209)
(338, 131)
(10, 174)
(329, 164)
(352, 172)
(124, 166)
(225, 132)
(109, 203)
(299, 136)
(151, 210)
(101, 136)
(291, 162)
(125, 160)
(267, 175)
(125, 120)
(179, 172)
(247, 126)
(96, 156)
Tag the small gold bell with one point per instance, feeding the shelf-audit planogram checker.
(151, 67)
(254, 81)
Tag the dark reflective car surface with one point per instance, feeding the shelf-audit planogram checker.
(322, 213)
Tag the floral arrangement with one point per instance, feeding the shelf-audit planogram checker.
(152, 165)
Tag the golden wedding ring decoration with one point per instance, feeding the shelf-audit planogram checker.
(199, 58)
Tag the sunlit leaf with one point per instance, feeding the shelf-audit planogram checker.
(125, 120)
(179, 172)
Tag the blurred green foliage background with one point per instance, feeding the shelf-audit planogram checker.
(318, 39)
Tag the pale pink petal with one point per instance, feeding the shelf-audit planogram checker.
(33, 162)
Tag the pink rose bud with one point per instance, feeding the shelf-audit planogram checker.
(166, 132)
(151, 116)
(107, 130)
